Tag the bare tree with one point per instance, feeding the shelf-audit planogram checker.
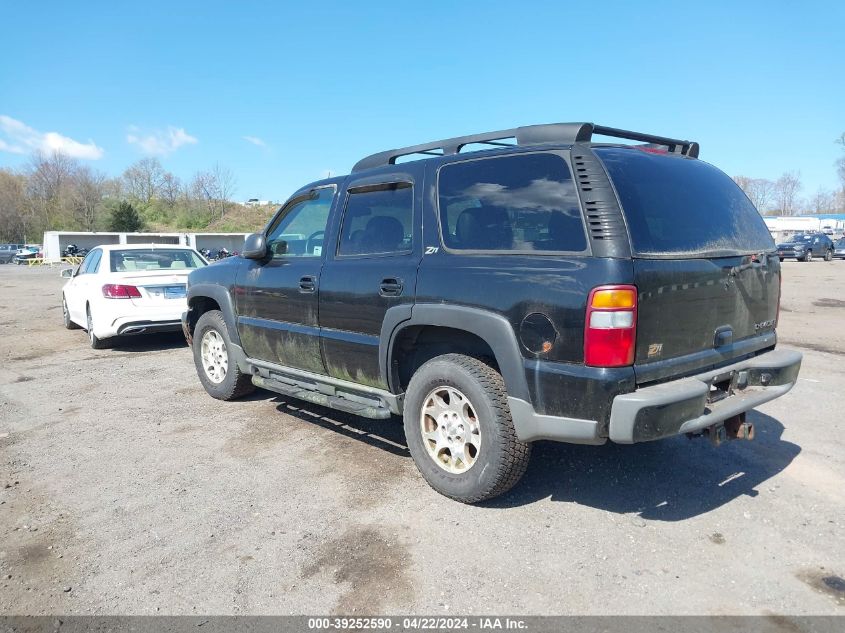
(204, 187)
(759, 190)
(226, 185)
(822, 201)
(14, 220)
(170, 189)
(840, 169)
(48, 177)
(786, 192)
(87, 194)
(215, 188)
(143, 179)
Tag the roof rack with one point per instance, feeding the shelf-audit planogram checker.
(527, 135)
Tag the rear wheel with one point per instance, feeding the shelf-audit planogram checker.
(459, 429)
(96, 343)
(216, 364)
(70, 325)
(828, 256)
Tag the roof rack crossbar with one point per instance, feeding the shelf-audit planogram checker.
(564, 133)
(675, 146)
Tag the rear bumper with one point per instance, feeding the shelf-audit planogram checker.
(682, 406)
(148, 327)
(666, 409)
(136, 321)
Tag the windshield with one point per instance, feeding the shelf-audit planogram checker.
(801, 238)
(840, 243)
(683, 207)
(155, 259)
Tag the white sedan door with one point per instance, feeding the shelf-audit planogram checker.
(81, 285)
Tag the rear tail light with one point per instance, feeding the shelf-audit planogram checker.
(119, 291)
(780, 292)
(610, 329)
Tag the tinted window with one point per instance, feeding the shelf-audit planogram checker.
(525, 202)
(299, 230)
(683, 206)
(378, 220)
(154, 259)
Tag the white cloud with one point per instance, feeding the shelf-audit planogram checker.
(255, 141)
(22, 139)
(161, 142)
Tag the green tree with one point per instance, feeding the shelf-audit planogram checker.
(125, 218)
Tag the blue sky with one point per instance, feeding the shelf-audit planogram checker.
(316, 86)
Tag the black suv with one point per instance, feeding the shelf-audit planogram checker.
(805, 246)
(521, 285)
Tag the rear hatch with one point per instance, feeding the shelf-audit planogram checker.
(705, 266)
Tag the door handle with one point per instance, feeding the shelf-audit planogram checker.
(390, 287)
(308, 284)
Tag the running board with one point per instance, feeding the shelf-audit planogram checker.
(363, 406)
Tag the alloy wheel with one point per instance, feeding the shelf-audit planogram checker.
(215, 357)
(450, 429)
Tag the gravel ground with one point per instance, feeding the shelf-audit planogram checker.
(125, 489)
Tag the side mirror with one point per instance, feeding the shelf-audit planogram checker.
(67, 273)
(255, 246)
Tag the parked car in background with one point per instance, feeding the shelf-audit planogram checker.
(839, 248)
(805, 246)
(27, 253)
(120, 289)
(8, 252)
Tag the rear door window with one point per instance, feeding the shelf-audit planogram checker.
(517, 203)
(682, 207)
(378, 220)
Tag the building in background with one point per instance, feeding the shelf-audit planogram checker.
(56, 242)
(782, 227)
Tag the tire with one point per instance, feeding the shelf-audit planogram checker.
(96, 343)
(223, 379)
(499, 459)
(828, 256)
(69, 325)
(781, 258)
(808, 256)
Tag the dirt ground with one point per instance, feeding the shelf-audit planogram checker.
(125, 489)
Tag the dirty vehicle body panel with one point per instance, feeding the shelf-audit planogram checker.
(496, 254)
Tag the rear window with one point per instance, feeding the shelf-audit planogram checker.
(154, 259)
(682, 206)
(517, 203)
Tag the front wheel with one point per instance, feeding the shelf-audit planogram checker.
(459, 429)
(808, 257)
(216, 364)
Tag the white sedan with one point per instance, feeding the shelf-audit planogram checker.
(124, 289)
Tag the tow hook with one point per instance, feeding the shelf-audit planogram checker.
(735, 428)
(738, 429)
(717, 434)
